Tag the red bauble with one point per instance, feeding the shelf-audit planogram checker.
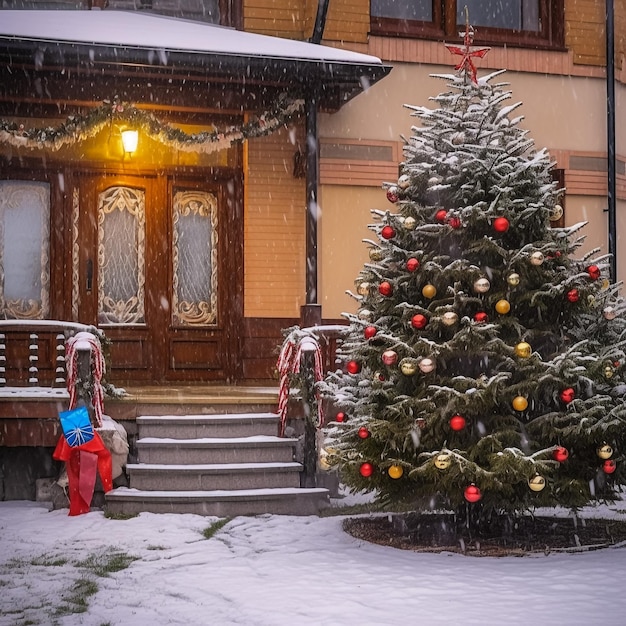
(412, 265)
(441, 216)
(567, 395)
(340, 417)
(387, 232)
(609, 466)
(392, 194)
(353, 367)
(501, 224)
(366, 469)
(419, 321)
(385, 288)
(594, 272)
(389, 357)
(481, 317)
(472, 493)
(457, 422)
(370, 331)
(573, 295)
(363, 432)
(454, 222)
(560, 454)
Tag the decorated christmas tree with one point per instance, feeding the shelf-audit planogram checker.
(485, 363)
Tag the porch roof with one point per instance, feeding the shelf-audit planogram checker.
(156, 43)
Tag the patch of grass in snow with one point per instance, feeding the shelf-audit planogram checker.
(48, 561)
(104, 564)
(211, 530)
(119, 516)
(77, 601)
(156, 548)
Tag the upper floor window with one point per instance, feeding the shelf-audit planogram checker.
(537, 23)
(224, 12)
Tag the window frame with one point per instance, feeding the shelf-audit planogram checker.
(443, 26)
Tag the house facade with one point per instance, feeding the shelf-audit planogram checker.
(178, 310)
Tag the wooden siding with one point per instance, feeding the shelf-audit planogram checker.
(360, 163)
(274, 226)
(279, 18)
(347, 21)
(585, 22)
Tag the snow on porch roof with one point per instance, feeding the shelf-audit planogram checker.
(134, 29)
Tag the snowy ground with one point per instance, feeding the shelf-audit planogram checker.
(281, 571)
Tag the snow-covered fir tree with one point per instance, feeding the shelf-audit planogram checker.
(486, 361)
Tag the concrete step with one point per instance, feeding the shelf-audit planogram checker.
(209, 450)
(228, 476)
(199, 426)
(283, 501)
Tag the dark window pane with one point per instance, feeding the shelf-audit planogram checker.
(510, 14)
(407, 9)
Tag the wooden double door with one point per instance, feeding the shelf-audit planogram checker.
(157, 265)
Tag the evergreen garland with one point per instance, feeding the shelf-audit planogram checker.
(78, 128)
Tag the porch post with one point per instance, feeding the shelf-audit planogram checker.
(311, 312)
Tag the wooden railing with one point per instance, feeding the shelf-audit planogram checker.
(32, 356)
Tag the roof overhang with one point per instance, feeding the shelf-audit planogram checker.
(145, 44)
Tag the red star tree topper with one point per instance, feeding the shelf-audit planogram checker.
(467, 52)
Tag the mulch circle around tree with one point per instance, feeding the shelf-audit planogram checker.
(505, 537)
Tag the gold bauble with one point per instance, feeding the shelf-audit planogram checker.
(608, 371)
(426, 365)
(606, 283)
(408, 367)
(556, 213)
(442, 461)
(523, 350)
(429, 291)
(605, 451)
(537, 483)
(482, 285)
(449, 318)
(366, 314)
(364, 288)
(513, 279)
(410, 223)
(520, 403)
(376, 254)
(395, 471)
(609, 313)
(503, 307)
(537, 258)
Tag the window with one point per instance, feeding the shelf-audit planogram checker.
(536, 23)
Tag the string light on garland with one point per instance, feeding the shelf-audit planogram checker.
(77, 128)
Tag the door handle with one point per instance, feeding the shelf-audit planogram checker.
(89, 278)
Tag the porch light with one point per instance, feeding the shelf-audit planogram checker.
(130, 139)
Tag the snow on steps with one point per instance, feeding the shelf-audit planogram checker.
(218, 465)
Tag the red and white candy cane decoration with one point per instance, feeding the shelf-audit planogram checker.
(86, 341)
(289, 362)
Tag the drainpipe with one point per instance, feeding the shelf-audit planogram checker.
(311, 312)
(610, 116)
